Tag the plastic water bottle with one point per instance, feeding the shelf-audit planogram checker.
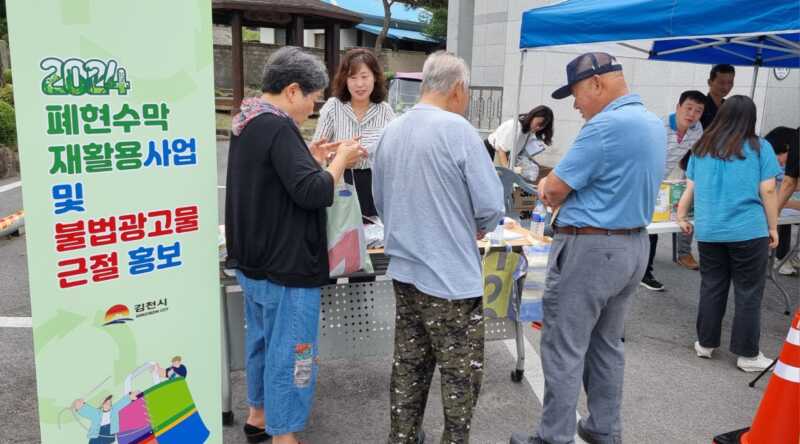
(497, 235)
(537, 220)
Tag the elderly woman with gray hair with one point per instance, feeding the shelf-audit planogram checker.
(277, 192)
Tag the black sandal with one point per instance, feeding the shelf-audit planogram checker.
(255, 434)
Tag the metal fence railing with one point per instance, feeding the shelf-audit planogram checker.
(485, 107)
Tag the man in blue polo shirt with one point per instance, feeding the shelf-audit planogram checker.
(605, 188)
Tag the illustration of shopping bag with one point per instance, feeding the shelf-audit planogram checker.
(165, 413)
(347, 245)
(134, 424)
(501, 272)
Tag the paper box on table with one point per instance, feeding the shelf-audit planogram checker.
(675, 192)
(523, 202)
(662, 209)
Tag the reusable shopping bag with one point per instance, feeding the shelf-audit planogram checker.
(347, 244)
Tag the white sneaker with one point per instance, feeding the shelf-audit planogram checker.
(787, 269)
(701, 351)
(756, 364)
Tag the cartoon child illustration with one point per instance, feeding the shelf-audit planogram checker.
(105, 419)
(176, 370)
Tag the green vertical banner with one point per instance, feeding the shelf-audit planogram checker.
(115, 120)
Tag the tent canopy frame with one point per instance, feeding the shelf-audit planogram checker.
(768, 32)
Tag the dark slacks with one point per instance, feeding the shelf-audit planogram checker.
(652, 254)
(784, 241)
(362, 180)
(745, 265)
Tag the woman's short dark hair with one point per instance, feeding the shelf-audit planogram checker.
(546, 133)
(349, 65)
(734, 125)
(292, 65)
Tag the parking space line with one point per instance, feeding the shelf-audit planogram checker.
(10, 186)
(15, 322)
(534, 375)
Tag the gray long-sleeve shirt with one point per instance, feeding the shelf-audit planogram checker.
(435, 187)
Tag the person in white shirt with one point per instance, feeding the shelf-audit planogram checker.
(683, 130)
(357, 110)
(528, 136)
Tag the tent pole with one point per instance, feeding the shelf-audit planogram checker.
(755, 78)
(715, 43)
(516, 109)
(759, 53)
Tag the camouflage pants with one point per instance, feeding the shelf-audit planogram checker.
(431, 331)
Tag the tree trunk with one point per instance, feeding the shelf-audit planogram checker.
(387, 17)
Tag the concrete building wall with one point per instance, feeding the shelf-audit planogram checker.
(368, 40)
(496, 59)
(266, 36)
(782, 103)
(272, 36)
(488, 42)
(310, 38)
(460, 18)
(348, 38)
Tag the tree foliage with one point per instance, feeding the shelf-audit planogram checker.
(436, 23)
(436, 27)
(8, 125)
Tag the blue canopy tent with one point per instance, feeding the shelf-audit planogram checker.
(739, 32)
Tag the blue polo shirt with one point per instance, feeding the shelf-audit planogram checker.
(614, 168)
(727, 201)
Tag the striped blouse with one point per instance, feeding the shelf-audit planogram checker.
(337, 121)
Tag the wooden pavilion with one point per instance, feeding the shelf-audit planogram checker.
(293, 15)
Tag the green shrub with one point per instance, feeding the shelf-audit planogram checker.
(8, 125)
(251, 35)
(7, 94)
(7, 76)
(389, 75)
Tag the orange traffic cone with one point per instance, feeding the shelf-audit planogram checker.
(777, 420)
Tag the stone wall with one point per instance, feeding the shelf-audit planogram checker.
(256, 55)
(403, 61)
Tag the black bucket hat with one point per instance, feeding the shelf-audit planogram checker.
(585, 66)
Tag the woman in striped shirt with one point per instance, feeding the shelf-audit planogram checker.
(357, 109)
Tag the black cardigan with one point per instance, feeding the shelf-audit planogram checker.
(275, 205)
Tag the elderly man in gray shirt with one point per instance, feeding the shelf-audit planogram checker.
(436, 191)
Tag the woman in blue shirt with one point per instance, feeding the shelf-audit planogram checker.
(731, 180)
